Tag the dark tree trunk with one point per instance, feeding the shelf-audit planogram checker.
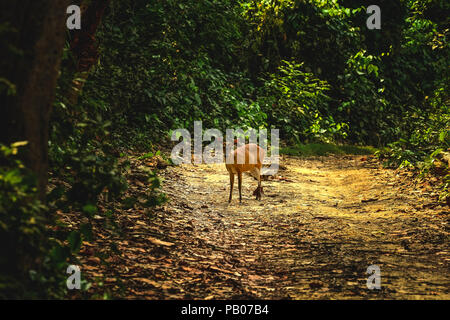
(31, 53)
(83, 45)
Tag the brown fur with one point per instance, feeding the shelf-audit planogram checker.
(253, 159)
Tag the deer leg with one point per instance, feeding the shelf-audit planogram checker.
(258, 195)
(231, 185)
(240, 185)
(257, 174)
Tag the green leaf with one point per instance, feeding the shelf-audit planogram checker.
(145, 156)
(74, 240)
(89, 209)
(19, 144)
(86, 231)
(59, 254)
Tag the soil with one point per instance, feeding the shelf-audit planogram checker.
(319, 226)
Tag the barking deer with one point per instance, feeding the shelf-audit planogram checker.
(248, 157)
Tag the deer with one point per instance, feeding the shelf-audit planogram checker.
(246, 158)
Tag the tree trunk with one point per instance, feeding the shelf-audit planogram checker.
(84, 47)
(30, 59)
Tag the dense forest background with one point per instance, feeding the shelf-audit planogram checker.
(75, 103)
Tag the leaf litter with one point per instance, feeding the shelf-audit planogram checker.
(321, 223)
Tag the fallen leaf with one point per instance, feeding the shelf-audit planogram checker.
(160, 242)
(148, 281)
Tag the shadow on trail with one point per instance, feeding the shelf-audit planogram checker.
(320, 225)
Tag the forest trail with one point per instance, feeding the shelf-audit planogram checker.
(318, 227)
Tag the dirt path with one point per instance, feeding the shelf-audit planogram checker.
(313, 235)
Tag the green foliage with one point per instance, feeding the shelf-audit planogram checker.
(428, 134)
(310, 68)
(318, 33)
(179, 66)
(297, 101)
(324, 149)
(82, 154)
(153, 196)
(363, 105)
(26, 268)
